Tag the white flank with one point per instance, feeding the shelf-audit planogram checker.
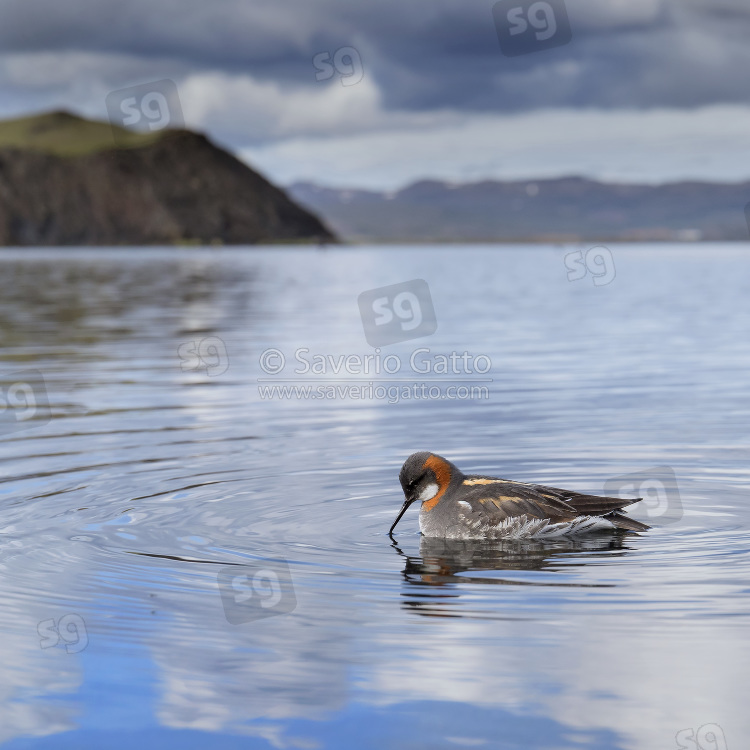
(523, 527)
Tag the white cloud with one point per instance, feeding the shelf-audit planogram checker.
(347, 135)
(615, 13)
(249, 110)
(629, 146)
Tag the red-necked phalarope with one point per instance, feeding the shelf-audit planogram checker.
(457, 506)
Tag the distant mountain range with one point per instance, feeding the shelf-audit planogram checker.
(560, 210)
(65, 180)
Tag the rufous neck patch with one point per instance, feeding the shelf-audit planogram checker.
(443, 475)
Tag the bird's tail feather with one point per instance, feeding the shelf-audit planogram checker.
(624, 522)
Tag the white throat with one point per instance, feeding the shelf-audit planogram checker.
(429, 492)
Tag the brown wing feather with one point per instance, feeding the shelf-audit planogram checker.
(624, 522)
(509, 499)
(591, 505)
(505, 498)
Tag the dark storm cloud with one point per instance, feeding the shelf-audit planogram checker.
(423, 54)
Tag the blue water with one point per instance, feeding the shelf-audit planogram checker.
(185, 562)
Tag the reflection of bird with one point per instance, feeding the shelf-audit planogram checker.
(457, 506)
(440, 560)
(441, 576)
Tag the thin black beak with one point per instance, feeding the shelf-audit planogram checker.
(403, 510)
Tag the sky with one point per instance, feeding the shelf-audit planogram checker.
(379, 93)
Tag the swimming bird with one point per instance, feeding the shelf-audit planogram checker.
(460, 506)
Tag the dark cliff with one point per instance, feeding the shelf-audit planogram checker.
(177, 188)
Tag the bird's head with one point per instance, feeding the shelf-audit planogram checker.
(425, 477)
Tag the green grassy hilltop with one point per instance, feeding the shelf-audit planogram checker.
(64, 134)
(65, 180)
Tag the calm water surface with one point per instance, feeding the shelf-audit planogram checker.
(184, 562)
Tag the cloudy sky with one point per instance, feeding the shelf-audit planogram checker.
(640, 90)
